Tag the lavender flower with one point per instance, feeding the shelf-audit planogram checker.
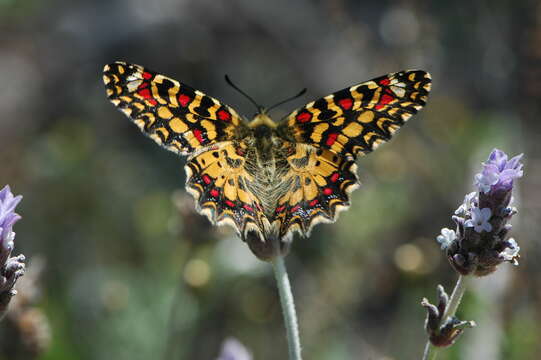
(446, 238)
(232, 349)
(498, 172)
(480, 244)
(479, 220)
(11, 268)
(8, 217)
(469, 202)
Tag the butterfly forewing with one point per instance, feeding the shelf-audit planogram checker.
(173, 114)
(357, 119)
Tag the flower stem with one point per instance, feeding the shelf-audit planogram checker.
(431, 351)
(456, 297)
(288, 308)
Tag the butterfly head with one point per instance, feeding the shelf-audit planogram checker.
(262, 119)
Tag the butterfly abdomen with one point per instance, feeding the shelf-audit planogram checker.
(267, 166)
(266, 245)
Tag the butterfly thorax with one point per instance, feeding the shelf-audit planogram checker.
(266, 162)
(262, 118)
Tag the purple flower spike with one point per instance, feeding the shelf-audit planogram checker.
(479, 243)
(11, 268)
(8, 217)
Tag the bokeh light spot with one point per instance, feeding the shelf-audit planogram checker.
(408, 257)
(197, 273)
(115, 295)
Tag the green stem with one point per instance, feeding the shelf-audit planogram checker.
(431, 351)
(288, 308)
(456, 297)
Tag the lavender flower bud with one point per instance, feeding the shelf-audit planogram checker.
(442, 332)
(479, 243)
(232, 349)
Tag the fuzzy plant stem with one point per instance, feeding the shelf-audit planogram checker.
(431, 351)
(288, 308)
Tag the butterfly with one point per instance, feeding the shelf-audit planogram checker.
(268, 179)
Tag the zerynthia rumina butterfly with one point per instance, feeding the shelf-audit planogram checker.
(268, 179)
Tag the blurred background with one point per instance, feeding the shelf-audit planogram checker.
(121, 267)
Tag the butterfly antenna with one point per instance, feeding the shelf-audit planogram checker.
(259, 107)
(301, 93)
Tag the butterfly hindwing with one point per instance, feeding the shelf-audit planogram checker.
(173, 114)
(357, 119)
(217, 178)
(319, 185)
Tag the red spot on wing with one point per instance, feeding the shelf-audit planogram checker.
(224, 115)
(248, 208)
(143, 85)
(183, 99)
(327, 191)
(198, 136)
(385, 82)
(147, 75)
(206, 179)
(313, 203)
(230, 203)
(303, 117)
(331, 139)
(145, 93)
(385, 99)
(334, 177)
(346, 103)
(295, 208)
(214, 193)
(279, 209)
